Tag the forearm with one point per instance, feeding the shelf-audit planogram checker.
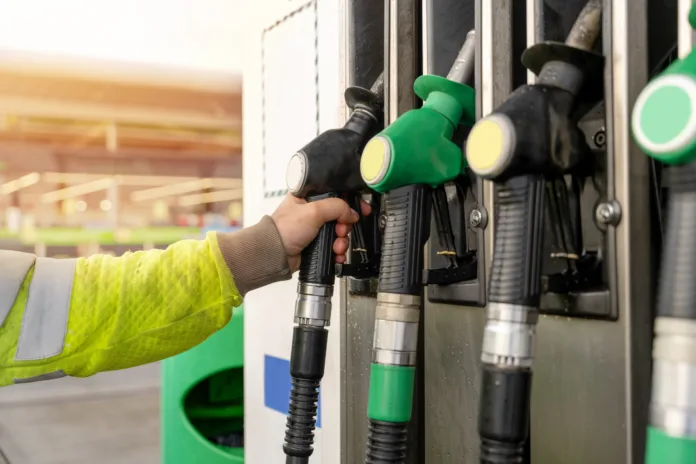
(138, 308)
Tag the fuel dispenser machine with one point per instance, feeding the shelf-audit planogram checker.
(499, 304)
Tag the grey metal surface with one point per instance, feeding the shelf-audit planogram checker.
(579, 392)
(453, 334)
(452, 352)
(402, 56)
(359, 330)
(591, 378)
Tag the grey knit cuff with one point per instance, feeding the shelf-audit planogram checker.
(255, 255)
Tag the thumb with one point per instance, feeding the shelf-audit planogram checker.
(333, 209)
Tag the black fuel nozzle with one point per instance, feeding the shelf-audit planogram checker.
(328, 166)
(531, 139)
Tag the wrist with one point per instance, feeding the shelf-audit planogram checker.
(255, 255)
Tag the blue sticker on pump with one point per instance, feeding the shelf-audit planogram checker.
(277, 384)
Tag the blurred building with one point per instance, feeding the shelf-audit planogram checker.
(103, 154)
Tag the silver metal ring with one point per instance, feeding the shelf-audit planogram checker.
(508, 343)
(315, 289)
(312, 322)
(674, 421)
(394, 358)
(512, 313)
(675, 340)
(673, 402)
(396, 336)
(396, 307)
(398, 298)
(313, 302)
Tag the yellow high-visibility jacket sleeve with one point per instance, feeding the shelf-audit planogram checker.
(130, 310)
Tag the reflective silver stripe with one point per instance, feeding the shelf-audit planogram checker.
(14, 265)
(46, 315)
(39, 378)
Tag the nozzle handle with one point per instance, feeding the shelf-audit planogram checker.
(516, 269)
(317, 262)
(407, 230)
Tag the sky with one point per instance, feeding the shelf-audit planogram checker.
(201, 35)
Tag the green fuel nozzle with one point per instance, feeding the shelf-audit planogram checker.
(664, 115)
(664, 126)
(417, 148)
(410, 162)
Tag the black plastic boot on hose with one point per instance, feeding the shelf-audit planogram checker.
(386, 442)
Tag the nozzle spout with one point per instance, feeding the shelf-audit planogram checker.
(378, 86)
(587, 27)
(463, 67)
(583, 36)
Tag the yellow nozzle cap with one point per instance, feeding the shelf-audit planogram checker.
(490, 145)
(375, 160)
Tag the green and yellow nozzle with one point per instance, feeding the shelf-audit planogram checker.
(664, 126)
(417, 148)
(408, 162)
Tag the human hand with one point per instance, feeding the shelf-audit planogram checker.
(298, 222)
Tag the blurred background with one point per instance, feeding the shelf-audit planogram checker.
(120, 129)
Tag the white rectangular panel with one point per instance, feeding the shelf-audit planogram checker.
(290, 93)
